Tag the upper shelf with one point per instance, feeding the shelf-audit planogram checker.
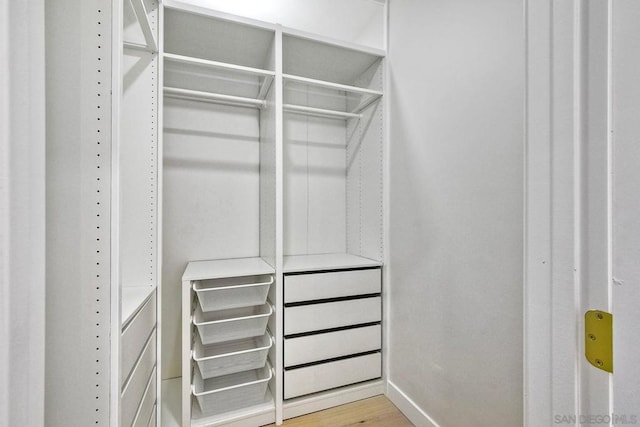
(138, 10)
(216, 39)
(315, 59)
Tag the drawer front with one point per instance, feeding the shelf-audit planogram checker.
(152, 421)
(325, 376)
(148, 403)
(313, 348)
(315, 317)
(308, 287)
(135, 336)
(135, 387)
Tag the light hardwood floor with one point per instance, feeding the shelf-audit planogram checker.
(375, 411)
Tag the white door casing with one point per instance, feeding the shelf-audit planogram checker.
(582, 215)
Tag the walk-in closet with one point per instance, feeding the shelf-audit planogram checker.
(243, 213)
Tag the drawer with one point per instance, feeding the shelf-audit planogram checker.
(313, 348)
(152, 421)
(148, 403)
(315, 317)
(325, 376)
(308, 287)
(134, 389)
(135, 336)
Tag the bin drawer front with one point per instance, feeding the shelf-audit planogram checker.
(325, 376)
(135, 336)
(316, 317)
(316, 286)
(313, 348)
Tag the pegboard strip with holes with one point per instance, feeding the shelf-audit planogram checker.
(99, 322)
(153, 157)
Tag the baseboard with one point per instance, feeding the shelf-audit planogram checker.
(320, 401)
(408, 407)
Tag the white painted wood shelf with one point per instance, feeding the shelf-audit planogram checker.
(320, 262)
(223, 268)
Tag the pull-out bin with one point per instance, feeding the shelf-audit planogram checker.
(231, 357)
(235, 324)
(234, 292)
(230, 392)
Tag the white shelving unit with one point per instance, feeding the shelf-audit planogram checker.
(268, 173)
(225, 350)
(136, 201)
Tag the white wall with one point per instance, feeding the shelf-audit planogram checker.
(456, 217)
(358, 21)
(22, 195)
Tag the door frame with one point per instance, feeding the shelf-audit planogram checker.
(558, 381)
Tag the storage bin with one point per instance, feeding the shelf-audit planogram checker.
(234, 292)
(235, 324)
(231, 357)
(230, 392)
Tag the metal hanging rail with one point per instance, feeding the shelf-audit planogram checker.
(320, 112)
(219, 65)
(219, 98)
(331, 85)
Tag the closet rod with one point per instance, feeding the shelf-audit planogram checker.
(143, 19)
(331, 85)
(320, 112)
(213, 97)
(219, 65)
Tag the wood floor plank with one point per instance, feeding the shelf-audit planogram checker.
(375, 411)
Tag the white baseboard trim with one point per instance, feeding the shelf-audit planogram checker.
(318, 402)
(408, 407)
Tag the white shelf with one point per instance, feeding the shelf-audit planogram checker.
(133, 298)
(234, 267)
(334, 261)
(318, 59)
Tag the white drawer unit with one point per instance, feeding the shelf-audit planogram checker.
(317, 317)
(325, 376)
(225, 340)
(313, 348)
(336, 284)
(332, 330)
(135, 335)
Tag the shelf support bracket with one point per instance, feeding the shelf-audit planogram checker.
(143, 19)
